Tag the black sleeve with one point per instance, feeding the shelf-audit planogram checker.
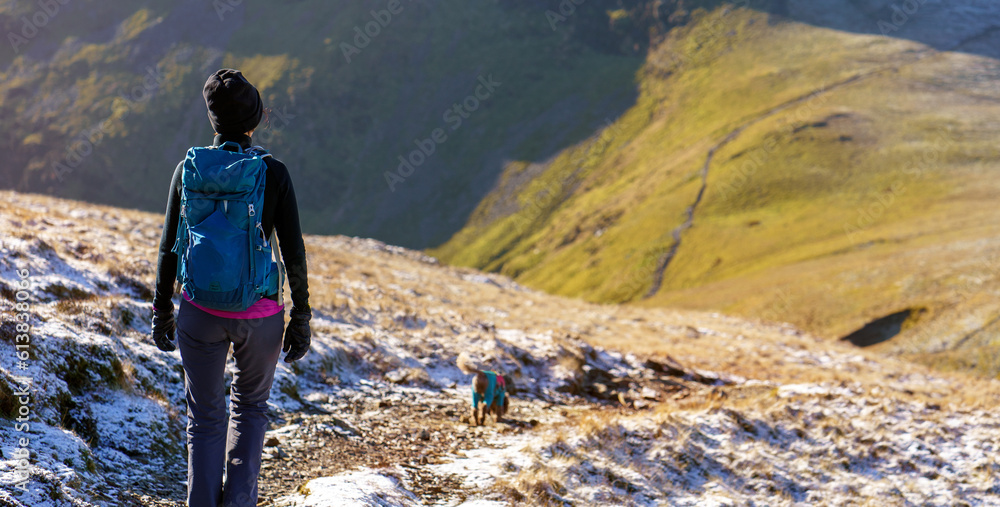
(166, 265)
(293, 250)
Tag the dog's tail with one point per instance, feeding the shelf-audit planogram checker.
(465, 363)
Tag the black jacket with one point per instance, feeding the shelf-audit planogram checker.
(280, 211)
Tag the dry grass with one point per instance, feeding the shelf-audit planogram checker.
(364, 280)
(740, 446)
(377, 285)
(395, 294)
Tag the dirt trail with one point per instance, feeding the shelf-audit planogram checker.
(678, 232)
(410, 436)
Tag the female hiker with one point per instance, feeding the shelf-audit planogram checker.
(224, 206)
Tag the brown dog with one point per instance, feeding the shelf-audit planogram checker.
(490, 389)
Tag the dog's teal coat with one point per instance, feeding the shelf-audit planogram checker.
(495, 388)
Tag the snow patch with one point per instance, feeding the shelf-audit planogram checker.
(353, 489)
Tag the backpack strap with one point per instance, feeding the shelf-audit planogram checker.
(258, 151)
(281, 266)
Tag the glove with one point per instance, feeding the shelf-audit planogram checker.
(163, 329)
(297, 335)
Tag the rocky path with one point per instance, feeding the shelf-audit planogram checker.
(381, 434)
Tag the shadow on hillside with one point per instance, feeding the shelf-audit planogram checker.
(879, 330)
(438, 200)
(885, 328)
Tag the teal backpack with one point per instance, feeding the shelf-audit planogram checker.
(225, 262)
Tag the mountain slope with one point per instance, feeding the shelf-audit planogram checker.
(104, 100)
(780, 170)
(613, 405)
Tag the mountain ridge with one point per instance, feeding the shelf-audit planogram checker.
(800, 183)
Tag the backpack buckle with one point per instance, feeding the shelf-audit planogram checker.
(233, 144)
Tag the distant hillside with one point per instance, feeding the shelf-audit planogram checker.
(100, 100)
(786, 162)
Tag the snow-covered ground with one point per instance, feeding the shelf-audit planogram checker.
(795, 445)
(105, 402)
(812, 424)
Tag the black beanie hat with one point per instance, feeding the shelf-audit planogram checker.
(234, 105)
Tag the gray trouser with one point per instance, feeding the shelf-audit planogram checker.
(217, 443)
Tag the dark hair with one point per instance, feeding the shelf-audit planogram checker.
(266, 120)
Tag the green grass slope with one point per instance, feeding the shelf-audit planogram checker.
(777, 170)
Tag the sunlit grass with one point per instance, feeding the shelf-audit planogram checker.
(869, 195)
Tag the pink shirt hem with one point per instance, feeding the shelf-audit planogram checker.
(263, 308)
